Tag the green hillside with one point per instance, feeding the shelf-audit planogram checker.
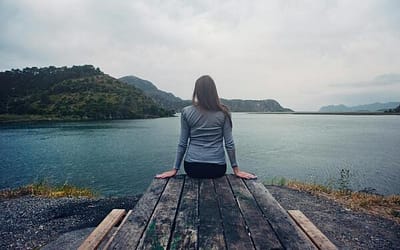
(171, 102)
(167, 100)
(79, 92)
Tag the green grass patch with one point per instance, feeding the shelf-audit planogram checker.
(44, 189)
(339, 191)
(277, 181)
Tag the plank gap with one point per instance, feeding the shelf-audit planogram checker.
(263, 214)
(220, 215)
(241, 213)
(287, 230)
(107, 245)
(176, 213)
(152, 213)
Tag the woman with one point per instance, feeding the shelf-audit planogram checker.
(206, 124)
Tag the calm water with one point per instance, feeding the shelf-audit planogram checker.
(121, 157)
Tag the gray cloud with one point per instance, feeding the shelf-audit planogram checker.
(288, 50)
(378, 81)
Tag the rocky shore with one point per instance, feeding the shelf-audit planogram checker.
(33, 222)
(346, 228)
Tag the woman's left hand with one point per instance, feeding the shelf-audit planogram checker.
(243, 174)
(167, 174)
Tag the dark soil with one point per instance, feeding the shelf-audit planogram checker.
(347, 229)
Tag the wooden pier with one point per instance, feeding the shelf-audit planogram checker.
(222, 213)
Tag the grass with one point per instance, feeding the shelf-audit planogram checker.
(384, 206)
(44, 189)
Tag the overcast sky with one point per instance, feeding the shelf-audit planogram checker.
(304, 54)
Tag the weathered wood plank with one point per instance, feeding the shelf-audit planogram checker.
(236, 235)
(211, 235)
(319, 239)
(186, 223)
(160, 227)
(98, 234)
(288, 232)
(132, 230)
(108, 244)
(261, 232)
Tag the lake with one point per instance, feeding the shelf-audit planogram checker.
(121, 157)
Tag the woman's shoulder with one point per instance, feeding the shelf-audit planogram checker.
(189, 109)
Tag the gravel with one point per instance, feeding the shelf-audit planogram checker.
(33, 222)
(347, 229)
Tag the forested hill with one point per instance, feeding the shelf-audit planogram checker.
(78, 92)
(171, 102)
(268, 105)
(167, 100)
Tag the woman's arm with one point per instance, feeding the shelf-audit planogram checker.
(183, 140)
(229, 143)
(230, 149)
(182, 145)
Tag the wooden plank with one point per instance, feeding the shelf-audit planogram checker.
(186, 223)
(132, 230)
(98, 234)
(211, 235)
(319, 239)
(160, 227)
(108, 244)
(260, 231)
(291, 236)
(236, 234)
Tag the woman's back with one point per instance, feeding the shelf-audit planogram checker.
(206, 131)
(205, 126)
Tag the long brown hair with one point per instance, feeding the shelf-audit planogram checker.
(205, 95)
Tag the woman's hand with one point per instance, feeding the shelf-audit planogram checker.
(243, 174)
(167, 174)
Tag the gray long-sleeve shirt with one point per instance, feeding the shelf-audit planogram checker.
(205, 132)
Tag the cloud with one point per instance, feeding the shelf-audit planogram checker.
(293, 51)
(378, 81)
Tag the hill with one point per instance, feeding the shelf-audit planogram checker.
(171, 102)
(395, 110)
(78, 92)
(373, 107)
(269, 105)
(167, 100)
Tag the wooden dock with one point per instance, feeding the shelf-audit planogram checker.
(222, 213)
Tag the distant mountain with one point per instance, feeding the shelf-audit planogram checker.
(373, 107)
(269, 105)
(395, 110)
(167, 100)
(79, 92)
(171, 102)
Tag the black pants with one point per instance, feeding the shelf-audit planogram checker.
(204, 170)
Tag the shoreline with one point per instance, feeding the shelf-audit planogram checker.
(30, 222)
(327, 113)
(21, 119)
(17, 119)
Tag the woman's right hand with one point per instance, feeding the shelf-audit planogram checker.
(167, 174)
